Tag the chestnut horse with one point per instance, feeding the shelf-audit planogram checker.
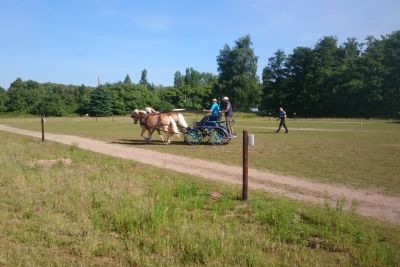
(156, 122)
(178, 118)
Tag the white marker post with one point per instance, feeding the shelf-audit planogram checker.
(251, 139)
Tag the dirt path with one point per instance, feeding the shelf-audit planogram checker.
(368, 203)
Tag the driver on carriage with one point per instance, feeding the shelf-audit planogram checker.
(214, 111)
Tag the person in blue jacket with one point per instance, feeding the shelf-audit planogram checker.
(214, 111)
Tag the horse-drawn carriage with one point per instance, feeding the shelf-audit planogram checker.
(206, 130)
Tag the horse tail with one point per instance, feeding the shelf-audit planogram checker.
(181, 121)
(173, 124)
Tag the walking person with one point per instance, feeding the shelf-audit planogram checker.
(226, 107)
(282, 118)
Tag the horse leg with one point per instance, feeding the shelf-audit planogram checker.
(151, 131)
(159, 133)
(170, 134)
(141, 134)
(166, 130)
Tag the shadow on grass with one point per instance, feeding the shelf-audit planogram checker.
(273, 132)
(141, 142)
(393, 122)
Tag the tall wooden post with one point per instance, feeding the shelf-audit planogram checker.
(245, 165)
(42, 122)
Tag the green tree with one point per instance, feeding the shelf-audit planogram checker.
(66, 93)
(274, 82)
(210, 88)
(50, 104)
(299, 66)
(23, 95)
(143, 78)
(179, 80)
(3, 99)
(100, 102)
(127, 80)
(349, 80)
(192, 90)
(82, 95)
(325, 67)
(117, 98)
(238, 79)
(164, 106)
(125, 97)
(170, 95)
(391, 85)
(373, 73)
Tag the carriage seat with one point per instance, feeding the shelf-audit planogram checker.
(208, 121)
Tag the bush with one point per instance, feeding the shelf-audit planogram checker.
(164, 106)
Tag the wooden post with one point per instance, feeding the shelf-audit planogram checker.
(42, 122)
(245, 165)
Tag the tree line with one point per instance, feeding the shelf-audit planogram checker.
(351, 79)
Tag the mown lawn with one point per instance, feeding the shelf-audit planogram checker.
(100, 210)
(358, 153)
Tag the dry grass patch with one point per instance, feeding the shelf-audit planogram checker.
(48, 163)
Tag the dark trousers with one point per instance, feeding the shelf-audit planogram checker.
(282, 123)
(213, 118)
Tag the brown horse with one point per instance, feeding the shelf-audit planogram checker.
(155, 122)
(177, 117)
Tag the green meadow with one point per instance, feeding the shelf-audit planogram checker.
(352, 152)
(102, 211)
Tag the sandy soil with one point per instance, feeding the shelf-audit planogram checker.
(368, 203)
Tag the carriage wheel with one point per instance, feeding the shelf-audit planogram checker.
(193, 137)
(218, 137)
(206, 134)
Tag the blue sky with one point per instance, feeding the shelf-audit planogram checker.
(74, 42)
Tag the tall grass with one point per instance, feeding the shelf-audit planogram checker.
(110, 212)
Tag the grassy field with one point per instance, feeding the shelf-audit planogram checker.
(104, 211)
(337, 151)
